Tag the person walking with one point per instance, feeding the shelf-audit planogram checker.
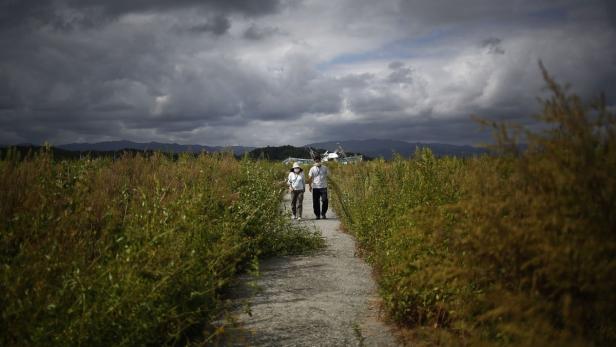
(295, 181)
(317, 183)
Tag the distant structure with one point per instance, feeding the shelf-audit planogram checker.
(339, 155)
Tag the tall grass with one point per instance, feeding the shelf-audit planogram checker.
(515, 249)
(136, 251)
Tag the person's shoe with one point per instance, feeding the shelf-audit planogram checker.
(293, 217)
(318, 217)
(323, 217)
(299, 218)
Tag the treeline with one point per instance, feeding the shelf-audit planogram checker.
(271, 153)
(516, 249)
(133, 251)
(280, 153)
(22, 152)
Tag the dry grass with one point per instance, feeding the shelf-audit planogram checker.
(134, 251)
(517, 249)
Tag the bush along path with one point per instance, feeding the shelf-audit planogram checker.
(327, 298)
(515, 249)
(137, 251)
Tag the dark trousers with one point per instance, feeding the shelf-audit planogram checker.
(319, 194)
(297, 198)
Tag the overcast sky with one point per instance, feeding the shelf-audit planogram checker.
(273, 72)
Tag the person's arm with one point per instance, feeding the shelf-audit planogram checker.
(303, 179)
(310, 180)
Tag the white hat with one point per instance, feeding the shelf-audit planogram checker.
(296, 164)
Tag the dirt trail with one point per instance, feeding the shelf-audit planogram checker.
(325, 299)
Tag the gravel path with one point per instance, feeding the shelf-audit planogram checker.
(325, 299)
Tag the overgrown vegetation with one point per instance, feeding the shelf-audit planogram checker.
(135, 251)
(514, 249)
(283, 152)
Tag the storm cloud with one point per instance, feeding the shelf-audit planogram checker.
(290, 71)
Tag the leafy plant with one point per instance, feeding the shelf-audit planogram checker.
(135, 251)
(512, 249)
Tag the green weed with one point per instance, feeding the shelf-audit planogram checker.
(513, 249)
(136, 251)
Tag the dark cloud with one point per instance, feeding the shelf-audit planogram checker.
(255, 32)
(461, 130)
(610, 11)
(121, 7)
(400, 73)
(493, 45)
(64, 12)
(217, 26)
(448, 13)
(395, 65)
(254, 72)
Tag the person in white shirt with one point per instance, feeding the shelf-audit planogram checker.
(295, 181)
(317, 183)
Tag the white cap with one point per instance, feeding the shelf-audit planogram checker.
(295, 165)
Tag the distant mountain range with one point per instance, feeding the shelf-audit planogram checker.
(110, 146)
(387, 148)
(373, 148)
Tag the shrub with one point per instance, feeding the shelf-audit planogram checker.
(513, 249)
(134, 251)
(539, 228)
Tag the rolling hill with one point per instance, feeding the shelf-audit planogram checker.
(150, 146)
